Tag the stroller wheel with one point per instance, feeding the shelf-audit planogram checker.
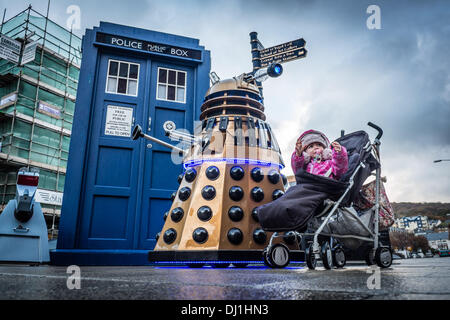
(327, 258)
(266, 260)
(338, 257)
(369, 257)
(383, 257)
(311, 261)
(278, 256)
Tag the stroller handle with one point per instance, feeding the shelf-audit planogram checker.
(380, 131)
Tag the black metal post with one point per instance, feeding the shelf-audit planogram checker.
(256, 59)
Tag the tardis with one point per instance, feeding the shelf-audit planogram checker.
(116, 188)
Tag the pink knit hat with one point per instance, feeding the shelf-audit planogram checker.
(312, 136)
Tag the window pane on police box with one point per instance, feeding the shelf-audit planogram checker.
(132, 87)
(172, 75)
(181, 79)
(180, 94)
(113, 68)
(112, 84)
(123, 71)
(171, 93)
(161, 91)
(122, 88)
(133, 71)
(162, 78)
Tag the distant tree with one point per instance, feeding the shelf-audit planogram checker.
(400, 240)
(420, 242)
(403, 240)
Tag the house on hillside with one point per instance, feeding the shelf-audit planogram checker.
(438, 240)
(413, 224)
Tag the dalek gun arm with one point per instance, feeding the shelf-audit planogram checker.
(138, 133)
(177, 135)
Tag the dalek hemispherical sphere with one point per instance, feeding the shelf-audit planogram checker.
(273, 176)
(184, 193)
(208, 192)
(190, 175)
(236, 213)
(236, 193)
(204, 213)
(177, 214)
(257, 174)
(257, 194)
(212, 172)
(237, 173)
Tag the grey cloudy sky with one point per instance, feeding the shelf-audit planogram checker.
(397, 77)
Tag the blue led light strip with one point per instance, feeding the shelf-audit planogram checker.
(197, 162)
(217, 262)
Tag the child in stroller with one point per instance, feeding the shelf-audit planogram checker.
(314, 152)
(323, 206)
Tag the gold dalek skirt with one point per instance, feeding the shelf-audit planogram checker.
(233, 168)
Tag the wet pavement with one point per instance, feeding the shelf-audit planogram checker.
(427, 278)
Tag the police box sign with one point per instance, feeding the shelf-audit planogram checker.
(146, 46)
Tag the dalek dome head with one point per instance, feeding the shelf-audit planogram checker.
(233, 97)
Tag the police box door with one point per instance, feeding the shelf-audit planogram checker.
(171, 100)
(113, 166)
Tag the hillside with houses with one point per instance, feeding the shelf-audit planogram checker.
(433, 210)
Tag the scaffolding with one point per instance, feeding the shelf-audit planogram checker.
(37, 107)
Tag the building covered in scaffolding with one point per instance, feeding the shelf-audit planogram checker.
(37, 101)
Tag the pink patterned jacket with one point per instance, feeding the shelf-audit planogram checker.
(334, 168)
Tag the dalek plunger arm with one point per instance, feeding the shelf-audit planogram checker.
(138, 133)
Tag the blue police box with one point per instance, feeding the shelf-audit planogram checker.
(117, 189)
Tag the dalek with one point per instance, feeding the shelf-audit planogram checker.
(231, 167)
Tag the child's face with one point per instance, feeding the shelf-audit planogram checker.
(313, 149)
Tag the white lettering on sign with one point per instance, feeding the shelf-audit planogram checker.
(49, 110)
(156, 48)
(8, 100)
(10, 49)
(127, 43)
(179, 52)
(29, 52)
(49, 197)
(118, 121)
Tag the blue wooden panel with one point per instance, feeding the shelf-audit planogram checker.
(159, 177)
(109, 218)
(157, 207)
(119, 158)
(164, 114)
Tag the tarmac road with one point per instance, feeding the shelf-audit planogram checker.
(426, 278)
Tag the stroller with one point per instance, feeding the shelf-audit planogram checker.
(325, 222)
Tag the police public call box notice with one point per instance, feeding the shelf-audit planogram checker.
(118, 121)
